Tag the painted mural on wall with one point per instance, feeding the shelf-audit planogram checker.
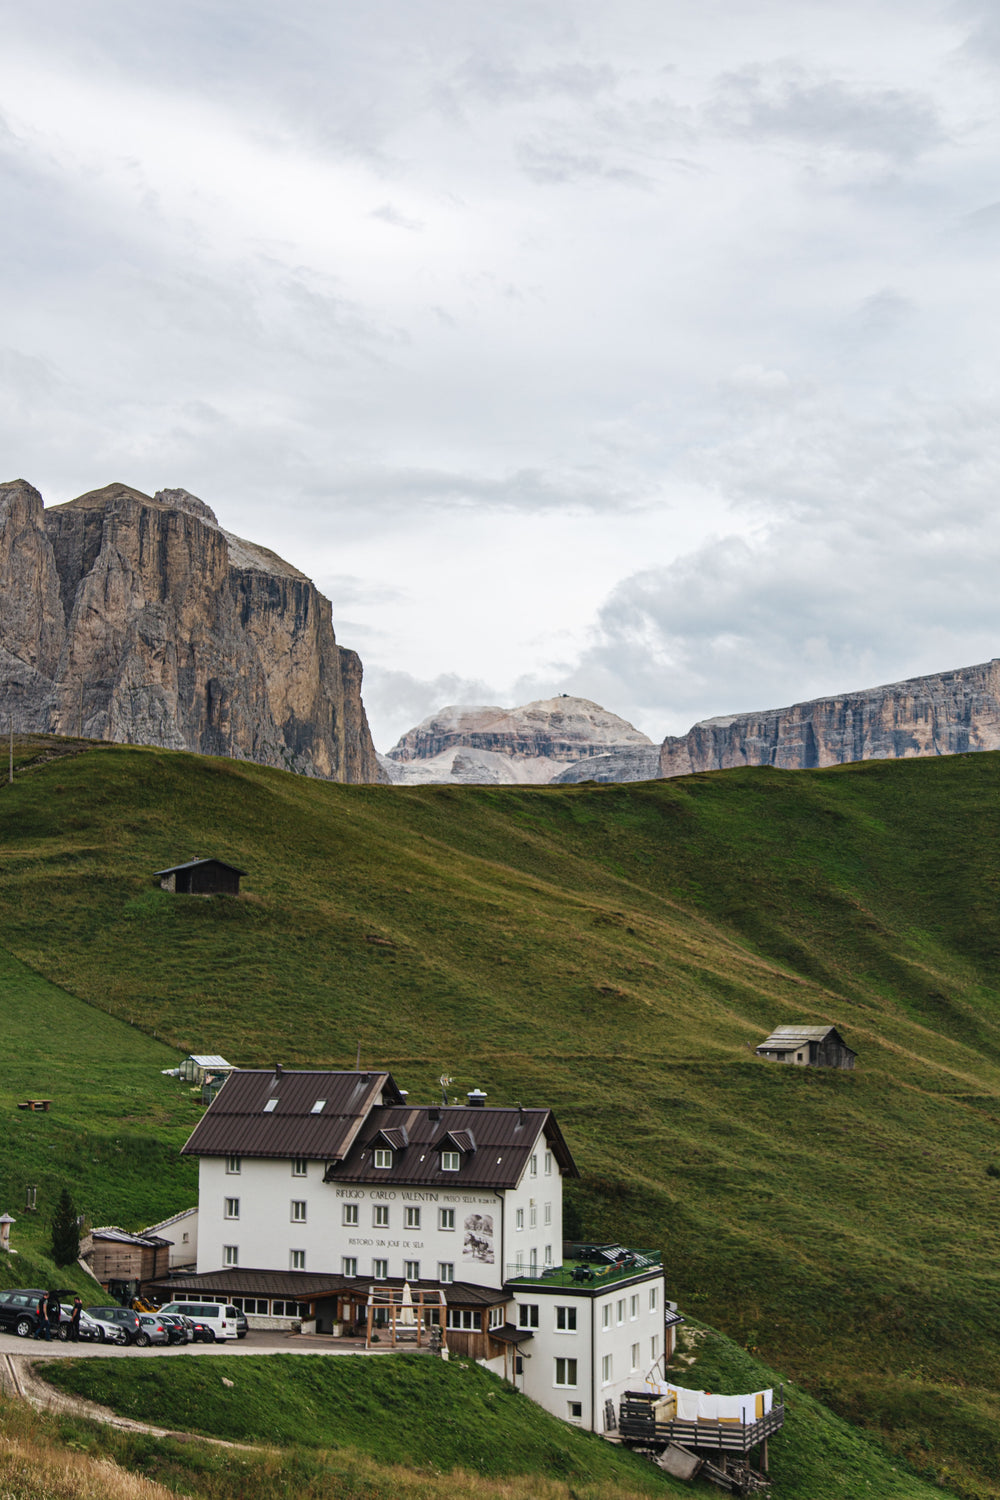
(478, 1242)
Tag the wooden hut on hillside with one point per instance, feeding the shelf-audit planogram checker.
(201, 877)
(808, 1047)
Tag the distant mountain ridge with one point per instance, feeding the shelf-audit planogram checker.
(137, 619)
(532, 744)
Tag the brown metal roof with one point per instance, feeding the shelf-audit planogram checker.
(503, 1141)
(307, 1286)
(311, 1114)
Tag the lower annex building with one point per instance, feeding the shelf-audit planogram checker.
(328, 1197)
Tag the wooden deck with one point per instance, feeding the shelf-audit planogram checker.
(636, 1425)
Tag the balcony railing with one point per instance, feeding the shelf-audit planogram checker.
(589, 1273)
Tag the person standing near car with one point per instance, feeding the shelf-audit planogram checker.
(74, 1321)
(55, 1315)
(42, 1312)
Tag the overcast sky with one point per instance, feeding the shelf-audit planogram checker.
(643, 351)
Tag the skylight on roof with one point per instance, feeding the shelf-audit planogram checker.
(269, 1107)
(317, 1108)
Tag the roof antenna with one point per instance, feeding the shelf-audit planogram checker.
(357, 1060)
(444, 1081)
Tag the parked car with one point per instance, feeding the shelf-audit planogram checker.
(94, 1330)
(18, 1311)
(212, 1320)
(152, 1330)
(180, 1330)
(123, 1317)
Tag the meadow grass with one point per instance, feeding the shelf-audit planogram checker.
(615, 952)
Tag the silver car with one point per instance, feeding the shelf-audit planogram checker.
(151, 1331)
(93, 1330)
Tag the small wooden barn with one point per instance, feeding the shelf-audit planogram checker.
(116, 1256)
(201, 877)
(808, 1047)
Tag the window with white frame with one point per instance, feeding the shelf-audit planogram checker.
(635, 1356)
(412, 1217)
(533, 1165)
(463, 1320)
(230, 1255)
(446, 1270)
(607, 1369)
(532, 1216)
(300, 1167)
(565, 1372)
(633, 1307)
(575, 1410)
(519, 1263)
(620, 1310)
(533, 1261)
(446, 1218)
(606, 1315)
(496, 1317)
(383, 1157)
(298, 1210)
(233, 1166)
(566, 1319)
(527, 1315)
(548, 1163)
(232, 1208)
(380, 1216)
(654, 1347)
(350, 1213)
(654, 1298)
(548, 1255)
(519, 1218)
(411, 1270)
(349, 1265)
(547, 1214)
(451, 1161)
(380, 1269)
(298, 1260)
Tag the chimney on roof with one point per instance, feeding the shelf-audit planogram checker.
(278, 1070)
(476, 1098)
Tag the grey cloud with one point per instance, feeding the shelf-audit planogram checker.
(390, 215)
(787, 102)
(502, 81)
(549, 163)
(396, 701)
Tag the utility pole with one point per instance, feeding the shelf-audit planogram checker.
(11, 774)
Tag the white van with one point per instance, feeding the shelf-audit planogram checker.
(217, 1319)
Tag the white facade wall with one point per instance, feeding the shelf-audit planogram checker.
(623, 1324)
(536, 1204)
(461, 1234)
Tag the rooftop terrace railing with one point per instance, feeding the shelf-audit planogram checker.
(589, 1273)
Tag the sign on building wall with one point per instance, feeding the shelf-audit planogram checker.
(478, 1242)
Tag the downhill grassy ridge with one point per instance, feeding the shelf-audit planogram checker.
(616, 952)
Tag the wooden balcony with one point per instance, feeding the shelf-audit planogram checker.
(636, 1425)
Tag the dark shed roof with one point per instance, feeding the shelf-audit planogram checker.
(288, 1114)
(500, 1142)
(192, 864)
(305, 1286)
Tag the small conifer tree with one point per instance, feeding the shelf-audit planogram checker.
(65, 1231)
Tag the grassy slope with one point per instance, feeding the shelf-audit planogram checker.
(457, 1416)
(614, 951)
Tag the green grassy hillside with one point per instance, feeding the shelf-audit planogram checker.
(615, 952)
(457, 1416)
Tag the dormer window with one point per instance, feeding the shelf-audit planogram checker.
(451, 1161)
(317, 1108)
(270, 1106)
(383, 1157)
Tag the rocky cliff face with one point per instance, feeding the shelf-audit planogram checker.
(511, 746)
(939, 715)
(139, 620)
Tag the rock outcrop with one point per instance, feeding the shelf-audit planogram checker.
(137, 619)
(533, 744)
(944, 714)
(629, 763)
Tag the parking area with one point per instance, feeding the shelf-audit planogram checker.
(270, 1342)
